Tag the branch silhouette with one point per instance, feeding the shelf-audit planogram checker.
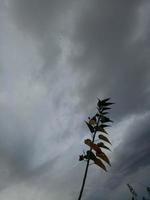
(97, 124)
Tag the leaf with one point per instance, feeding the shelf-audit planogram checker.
(105, 119)
(106, 108)
(92, 121)
(132, 190)
(102, 137)
(92, 145)
(105, 100)
(105, 113)
(81, 157)
(91, 155)
(97, 115)
(107, 103)
(148, 190)
(88, 142)
(104, 125)
(103, 156)
(99, 128)
(99, 103)
(90, 127)
(100, 164)
(102, 145)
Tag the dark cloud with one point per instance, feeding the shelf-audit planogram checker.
(112, 63)
(84, 49)
(38, 16)
(45, 22)
(133, 153)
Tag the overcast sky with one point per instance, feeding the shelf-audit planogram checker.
(56, 58)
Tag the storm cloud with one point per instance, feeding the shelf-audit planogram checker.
(56, 58)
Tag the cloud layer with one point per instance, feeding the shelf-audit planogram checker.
(56, 57)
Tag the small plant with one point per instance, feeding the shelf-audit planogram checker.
(132, 191)
(97, 125)
(134, 195)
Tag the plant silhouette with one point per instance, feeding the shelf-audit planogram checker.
(97, 125)
(134, 195)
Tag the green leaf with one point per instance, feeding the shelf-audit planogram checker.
(91, 155)
(90, 127)
(99, 128)
(105, 100)
(107, 103)
(99, 103)
(104, 125)
(105, 113)
(102, 137)
(81, 157)
(105, 108)
(105, 119)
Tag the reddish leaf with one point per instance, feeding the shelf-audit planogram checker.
(92, 145)
(103, 156)
(102, 145)
(100, 164)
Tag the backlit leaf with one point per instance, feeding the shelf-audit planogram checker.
(103, 156)
(91, 155)
(106, 108)
(104, 125)
(100, 164)
(81, 157)
(105, 113)
(92, 145)
(90, 127)
(99, 103)
(102, 137)
(92, 121)
(99, 128)
(105, 119)
(102, 145)
(107, 103)
(105, 100)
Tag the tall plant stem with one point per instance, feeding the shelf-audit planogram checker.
(87, 166)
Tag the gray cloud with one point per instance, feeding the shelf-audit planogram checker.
(132, 154)
(114, 63)
(56, 58)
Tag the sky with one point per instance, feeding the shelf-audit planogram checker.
(56, 58)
